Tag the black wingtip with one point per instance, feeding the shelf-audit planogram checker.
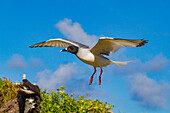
(142, 43)
(30, 46)
(36, 45)
(145, 41)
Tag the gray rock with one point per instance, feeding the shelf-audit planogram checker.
(12, 106)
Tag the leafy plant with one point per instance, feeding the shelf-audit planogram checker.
(61, 102)
(8, 91)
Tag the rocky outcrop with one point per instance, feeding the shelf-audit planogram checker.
(26, 100)
(13, 107)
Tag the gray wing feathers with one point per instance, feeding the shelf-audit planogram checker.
(79, 44)
(107, 45)
(58, 43)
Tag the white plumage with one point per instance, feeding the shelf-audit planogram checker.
(93, 56)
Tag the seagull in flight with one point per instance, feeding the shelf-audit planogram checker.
(93, 56)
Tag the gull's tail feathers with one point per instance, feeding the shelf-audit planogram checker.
(120, 63)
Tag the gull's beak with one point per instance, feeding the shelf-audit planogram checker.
(63, 50)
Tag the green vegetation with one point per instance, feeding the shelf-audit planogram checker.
(62, 102)
(8, 91)
(56, 102)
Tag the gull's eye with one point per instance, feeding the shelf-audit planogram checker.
(71, 47)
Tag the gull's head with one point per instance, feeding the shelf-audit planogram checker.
(72, 49)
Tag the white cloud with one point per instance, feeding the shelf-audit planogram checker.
(158, 63)
(75, 32)
(145, 90)
(148, 92)
(18, 61)
(35, 62)
(81, 87)
(51, 80)
(68, 75)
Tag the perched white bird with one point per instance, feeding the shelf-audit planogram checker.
(93, 56)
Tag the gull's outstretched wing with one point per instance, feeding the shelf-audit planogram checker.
(106, 45)
(58, 43)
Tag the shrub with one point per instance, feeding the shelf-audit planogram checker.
(8, 91)
(61, 102)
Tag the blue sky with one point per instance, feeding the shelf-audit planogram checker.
(141, 86)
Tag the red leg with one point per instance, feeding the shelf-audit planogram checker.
(100, 76)
(91, 79)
